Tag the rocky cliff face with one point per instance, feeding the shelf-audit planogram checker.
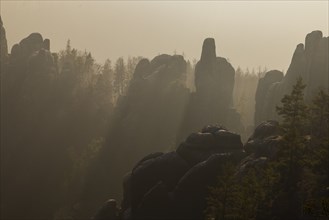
(32, 59)
(26, 102)
(3, 56)
(159, 110)
(262, 94)
(156, 100)
(147, 119)
(3, 47)
(212, 101)
(175, 185)
(309, 61)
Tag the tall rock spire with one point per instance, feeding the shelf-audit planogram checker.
(309, 61)
(208, 53)
(212, 101)
(3, 45)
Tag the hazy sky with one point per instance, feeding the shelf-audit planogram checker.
(249, 33)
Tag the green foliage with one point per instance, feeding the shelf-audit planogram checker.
(222, 195)
(294, 111)
(316, 180)
(295, 114)
(320, 132)
(245, 197)
(292, 185)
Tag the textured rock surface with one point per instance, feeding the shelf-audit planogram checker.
(174, 185)
(169, 186)
(27, 105)
(146, 119)
(262, 95)
(3, 46)
(200, 146)
(310, 61)
(264, 140)
(159, 112)
(212, 101)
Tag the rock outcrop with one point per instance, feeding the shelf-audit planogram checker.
(159, 112)
(146, 119)
(213, 99)
(309, 61)
(3, 57)
(26, 103)
(262, 94)
(174, 185)
(3, 48)
(265, 139)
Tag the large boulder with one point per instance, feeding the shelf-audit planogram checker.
(157, 203)
(211, 140)
(174, 185)
(265, 140)
(167, 168)
(192, 190)
(26, 47)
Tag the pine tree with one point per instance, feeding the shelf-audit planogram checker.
(295, 114)
(320, 133)
(316, 202)
(291, 154)
(221, 196)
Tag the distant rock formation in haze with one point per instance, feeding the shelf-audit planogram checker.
(3, 49)
(159, 111)
(26, 88)
(212, 102)
(309, 61)
(262, 95)
(146, 119)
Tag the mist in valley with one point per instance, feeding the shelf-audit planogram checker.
(164, 110)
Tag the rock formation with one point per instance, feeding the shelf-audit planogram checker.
(213, 99)
(309, 61)
(159, 110)
(174, 185)
(146, 119)
(263, 86)
(3, 57)
(26, 100)
(3, 48)
(264, 140)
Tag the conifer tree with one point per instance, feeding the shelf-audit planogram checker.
(291, 154)
(295, 114)
(219, 202)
